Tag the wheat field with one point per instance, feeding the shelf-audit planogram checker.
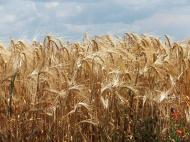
(134, 88)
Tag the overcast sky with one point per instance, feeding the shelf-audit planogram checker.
(32, 19)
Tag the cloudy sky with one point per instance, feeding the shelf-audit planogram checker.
(32, 19)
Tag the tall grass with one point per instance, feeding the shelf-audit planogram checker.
(133, 88)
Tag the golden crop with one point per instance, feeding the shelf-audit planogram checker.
(101, 89)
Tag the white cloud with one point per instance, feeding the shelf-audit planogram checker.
(51, 5)
(69, 9)
(8, 18)
(137, 4)
(174, 23)
(107, 28)
(147, 3)
(165, 20)
(1, 7)
(72, 18)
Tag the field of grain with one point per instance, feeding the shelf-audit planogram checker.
(134, 88)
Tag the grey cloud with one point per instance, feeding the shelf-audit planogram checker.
(71, 18)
